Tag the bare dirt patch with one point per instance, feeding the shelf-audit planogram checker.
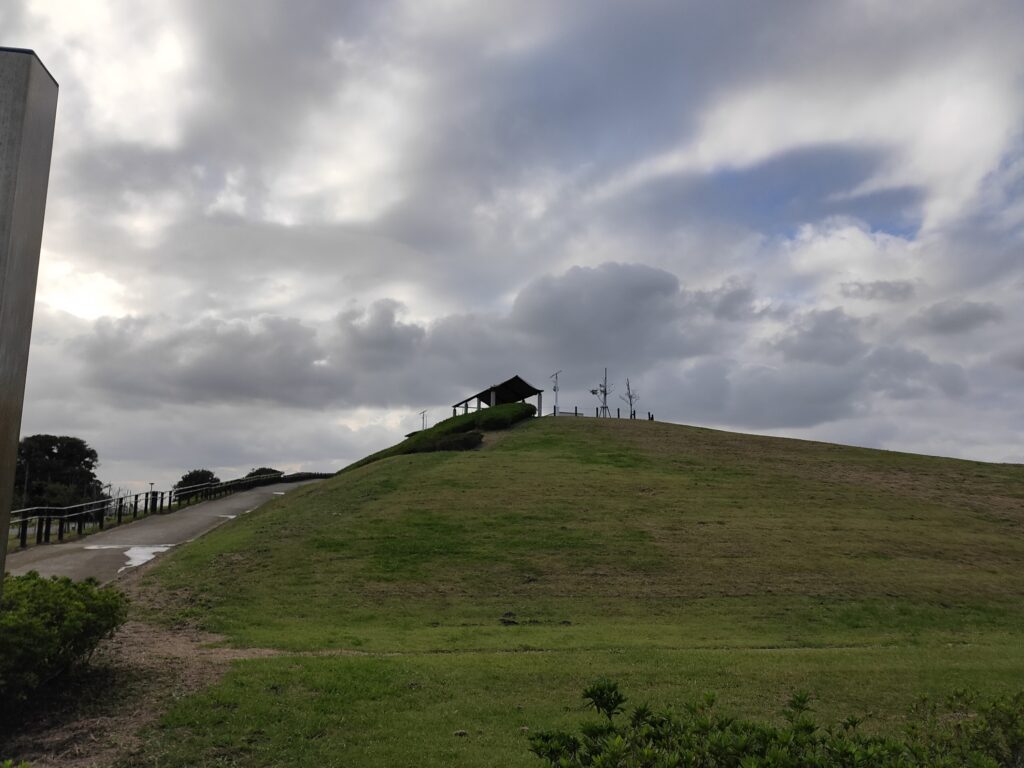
(95, 716)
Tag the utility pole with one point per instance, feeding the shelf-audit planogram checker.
(555, 377)
(28, 110)
(423, 419)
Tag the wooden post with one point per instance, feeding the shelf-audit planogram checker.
(28, 109)
(540, 403)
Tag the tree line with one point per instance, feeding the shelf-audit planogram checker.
(60, 471)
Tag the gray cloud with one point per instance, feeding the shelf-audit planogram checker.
(822, 336)
(367, 207)
(879, 290)
(952, 316)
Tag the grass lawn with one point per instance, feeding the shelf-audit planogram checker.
(429, 594)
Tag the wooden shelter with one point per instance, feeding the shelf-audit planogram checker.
(514, 390)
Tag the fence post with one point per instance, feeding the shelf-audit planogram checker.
(618, 413)
(39, 530)
(60, 528)
(100, 519)
(23, 531)
(575, 410)
(120, 514)
(46, 530)
(80, 525)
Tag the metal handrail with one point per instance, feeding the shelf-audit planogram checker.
(98, 510)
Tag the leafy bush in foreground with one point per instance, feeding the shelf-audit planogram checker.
(48, 626)
(961, 732)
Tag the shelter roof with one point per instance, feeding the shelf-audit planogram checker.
(511, 391)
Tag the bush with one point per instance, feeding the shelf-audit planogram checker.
(50, 626)
(960, 732)
(504, 416)
(440, 437)
(459, 441)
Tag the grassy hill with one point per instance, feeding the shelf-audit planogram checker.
(426, 594)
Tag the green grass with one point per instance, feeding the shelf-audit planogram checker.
(672, 559)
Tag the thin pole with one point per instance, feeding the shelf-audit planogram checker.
(555, 377)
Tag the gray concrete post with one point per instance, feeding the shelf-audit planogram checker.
(28, 109)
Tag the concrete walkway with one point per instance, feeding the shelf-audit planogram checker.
(105, 554)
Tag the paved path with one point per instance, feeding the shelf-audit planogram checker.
(105, 554)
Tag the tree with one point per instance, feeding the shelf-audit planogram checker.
(196, 477)
(632, 397)
(263, 471)
(55, 471)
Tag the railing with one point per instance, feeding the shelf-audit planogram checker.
(597, 413)
(41, 524)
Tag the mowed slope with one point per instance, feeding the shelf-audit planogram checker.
(433, 593)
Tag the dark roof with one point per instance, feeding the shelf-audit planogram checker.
(511, 391)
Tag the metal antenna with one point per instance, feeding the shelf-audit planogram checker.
(602, 392)
(555, 377)
(423, 419)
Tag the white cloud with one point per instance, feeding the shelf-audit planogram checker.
(87, 295)
(127, 70)
(920, 117)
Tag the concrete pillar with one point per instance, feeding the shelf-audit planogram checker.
(494, 398)
(28, 108)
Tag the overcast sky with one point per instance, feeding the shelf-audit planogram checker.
(276, 231)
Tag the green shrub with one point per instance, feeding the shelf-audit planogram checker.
(960, 732)
(436, 437)
(49, 626)
(459, 441)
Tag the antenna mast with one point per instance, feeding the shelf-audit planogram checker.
(602, 394)
(555, 377)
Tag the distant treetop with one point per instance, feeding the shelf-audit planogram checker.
(263, 471)
(196, 477)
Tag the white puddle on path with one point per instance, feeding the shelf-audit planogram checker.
(136, 554)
